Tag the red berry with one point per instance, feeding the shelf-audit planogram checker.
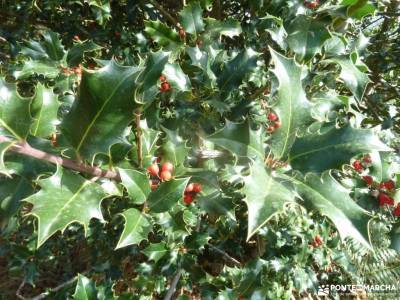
(266, 92)
(367, 159)
(389, 184)
(197, 188)
(396, 211)
(117, 34)
(167, 167)
(165, 175)
(188, 199)
(163, 78)
(318, 240)
(189, 188)
(271, 128)
(277, 124)
(368, 180)
(182, 33)
(165, 86)
(358, 166)
(153, 169)
(385, 199)
(77, 38)
(272, 116)
(311, 4)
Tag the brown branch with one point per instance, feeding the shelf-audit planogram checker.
(165, 13)
(25, 149)
(174, 283)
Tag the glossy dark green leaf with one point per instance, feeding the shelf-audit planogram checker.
(137, 227)
(103, 110)
(155, 251)
(137, 185)
(65, 198)
(192, 19)
(15, 118)
(167, 195)
(228, 27)
(76, 53)
(154, 66)
(85, 289)
(162, 34)
(174, 148)
(306, 37)
(292, 108)
(3, 149)
(239, 139)
(176, 77)
(265, 197)
(48, 69)
(319, 152)
(44, 110)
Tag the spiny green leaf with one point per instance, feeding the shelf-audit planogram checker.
(228, 27)
(292, 108)
(137, 185)
(76, 53)
(167, 195)
(65, 198)
(162, 34)
(174, 148)
(15, 118)
(48, 49)
(155, 251)
(355, 80)
(103, 110)
(154, 66)
(149, 144)
(192, 19)
(319, 152)
(3, 149)
(306, 37)
(48, 69)
(239, 139)
(330, 198)
(176, 77)
(136, 229)
(44, 109)
(236, 70)
(265, 196)
(85, 289)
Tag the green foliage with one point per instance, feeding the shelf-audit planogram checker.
(275, 127)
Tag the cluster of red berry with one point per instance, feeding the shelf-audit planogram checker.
(182, 33)
(165, 86)
(385, 188)
(164, 175)
(69, 71)
(276, 123)
(191, 190)
(313, 4)
(317, 241)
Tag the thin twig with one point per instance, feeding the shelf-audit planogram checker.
(235, 261)
(174, 283)
(53, 290)
(25, 149)
(18, 293)
(164, 12)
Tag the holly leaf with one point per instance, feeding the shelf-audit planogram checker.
(330, 150)
(155, 251)
(48, 69)
(331, 199)
(149, 144)
(292, 108)
(85, 289)
(175, 76)
(191, 18)
(239, 139)
(162, 34)
(174, 148)
(44, 109)
(167, 195)
(235, 70)
(264, 196)
(104, 95)
(15, 118)
(12, 191)
(49, 49)
(228, 27)
(65, 198)
(306, 36)
(76, 53)
(154, 66)
(136, 184)
(4, 146)
(355, 80)
(136, 229)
